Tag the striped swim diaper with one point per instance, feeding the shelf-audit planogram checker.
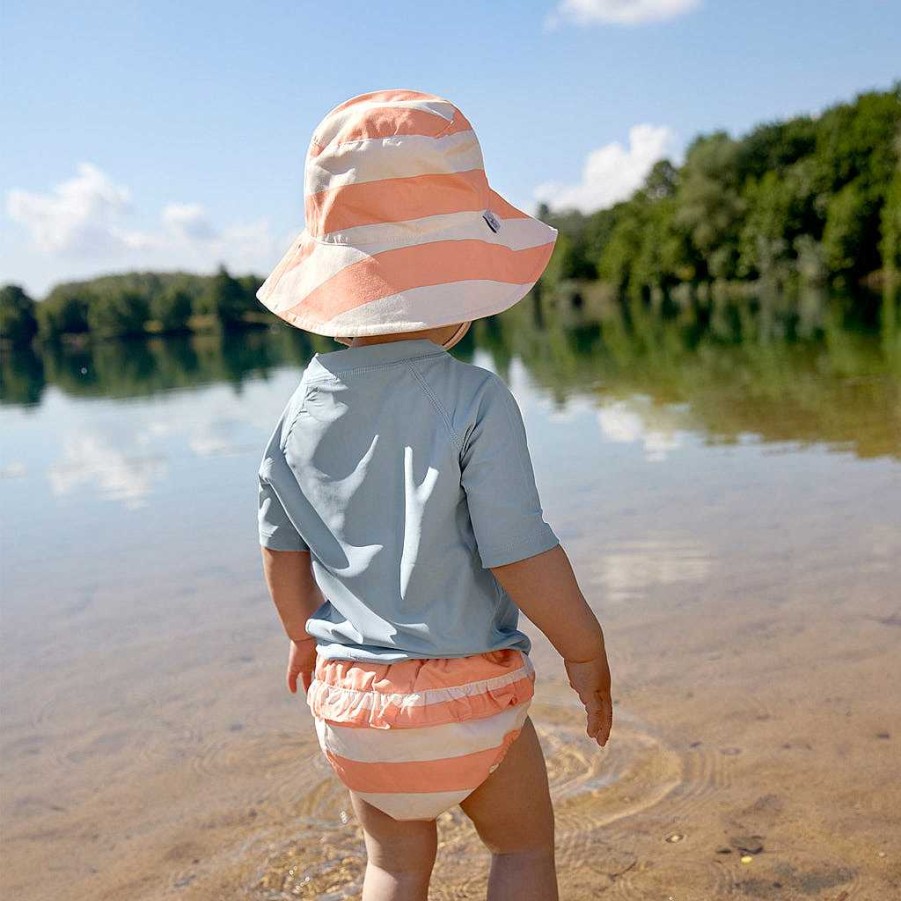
(416, 737)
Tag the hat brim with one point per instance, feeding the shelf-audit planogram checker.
(410, 276)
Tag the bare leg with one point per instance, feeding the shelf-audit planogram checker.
(513, 815)
(400, 854)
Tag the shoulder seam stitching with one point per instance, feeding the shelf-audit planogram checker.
(437, 404)
(286, 433)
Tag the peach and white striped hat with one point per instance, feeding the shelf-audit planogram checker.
(403, 231)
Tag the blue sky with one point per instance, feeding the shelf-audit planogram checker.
(160, 135)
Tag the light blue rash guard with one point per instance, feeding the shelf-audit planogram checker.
(406, 474)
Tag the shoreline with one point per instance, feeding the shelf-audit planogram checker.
(783, 741)
(740, 541)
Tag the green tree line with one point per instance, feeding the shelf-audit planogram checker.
(137, 303)
(812, 198)
(816, 199)
(727, 368)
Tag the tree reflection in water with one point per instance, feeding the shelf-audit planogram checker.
(806, 369)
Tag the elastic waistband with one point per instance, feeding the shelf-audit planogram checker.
(404, 676)
(420, 692)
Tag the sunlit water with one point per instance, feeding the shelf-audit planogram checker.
(148, 738)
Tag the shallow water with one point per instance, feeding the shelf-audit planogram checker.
(731, 503)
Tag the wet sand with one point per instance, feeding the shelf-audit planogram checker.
(748, 592)
(756, 718)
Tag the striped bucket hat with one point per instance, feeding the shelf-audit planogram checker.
(403, 231)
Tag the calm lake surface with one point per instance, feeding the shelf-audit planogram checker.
(724, 462)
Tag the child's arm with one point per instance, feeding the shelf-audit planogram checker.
(296, 596)
(289, 577)
(523, 552)
(294, 591)
(544, 587)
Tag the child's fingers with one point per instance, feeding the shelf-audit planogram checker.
(595, 697)
(292, 681)
(603, 732)
(606, 722)
(599, 720)
(594, 723)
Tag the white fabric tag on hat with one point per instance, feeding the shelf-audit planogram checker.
(493, 222)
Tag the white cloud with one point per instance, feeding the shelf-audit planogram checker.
(188, 221)
(612, 172)
(85, 220)
(78, 216)
(618, 12)
(638, 422)
(90, 462)
(125, 457)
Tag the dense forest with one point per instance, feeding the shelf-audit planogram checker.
(816, 199)
(810, 200)
(812, 371)
(135, 303)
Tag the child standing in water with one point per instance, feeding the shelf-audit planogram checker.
(400, 524)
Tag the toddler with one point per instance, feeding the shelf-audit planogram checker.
(400, 524)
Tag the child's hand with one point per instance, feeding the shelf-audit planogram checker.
(591, 681)
(301, 661)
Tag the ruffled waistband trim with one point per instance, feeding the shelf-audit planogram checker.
(335, 695)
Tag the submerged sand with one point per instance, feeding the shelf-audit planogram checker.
(754, 754)
(749, 592)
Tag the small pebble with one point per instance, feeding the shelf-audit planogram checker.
(674, 837)
(746, 858)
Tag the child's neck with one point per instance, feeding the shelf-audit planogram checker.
(437, 335)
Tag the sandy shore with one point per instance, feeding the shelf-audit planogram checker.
(754, 754)
(749, 595)
(757, 761)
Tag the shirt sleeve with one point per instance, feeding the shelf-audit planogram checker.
(277, 532)
(499, 481)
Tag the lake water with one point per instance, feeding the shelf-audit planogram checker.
(727, 483)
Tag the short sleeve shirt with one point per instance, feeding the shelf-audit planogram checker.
(406, 474)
